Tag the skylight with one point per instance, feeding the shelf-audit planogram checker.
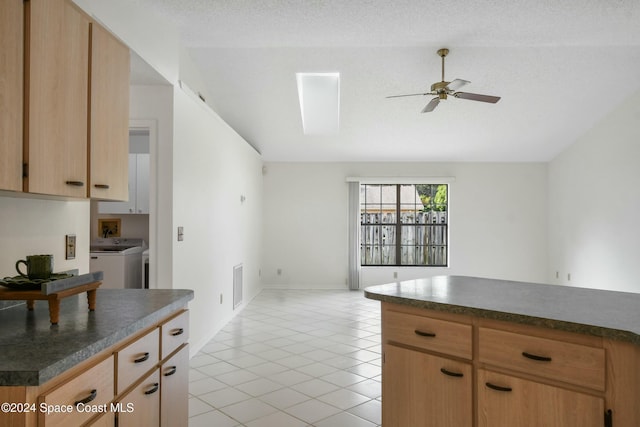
(319, 95)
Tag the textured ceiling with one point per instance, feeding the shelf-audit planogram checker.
(558, 66)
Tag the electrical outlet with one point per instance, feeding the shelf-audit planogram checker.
(70, 246)
(395, 274)
(220, 298)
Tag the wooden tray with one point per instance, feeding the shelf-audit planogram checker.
(55, 290)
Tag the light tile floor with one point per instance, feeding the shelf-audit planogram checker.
(292, 358)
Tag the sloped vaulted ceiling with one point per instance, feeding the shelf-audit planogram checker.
(558, 66)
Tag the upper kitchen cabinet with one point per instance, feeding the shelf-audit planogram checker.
(77, 104)
(109, 137)
(57, 98)
(11, 87)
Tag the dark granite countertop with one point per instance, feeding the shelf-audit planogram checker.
(596, 312)
(32, 351)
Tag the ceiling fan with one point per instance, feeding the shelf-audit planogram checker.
(443, 89)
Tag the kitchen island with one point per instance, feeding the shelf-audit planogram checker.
(96, 366)
(465, 351)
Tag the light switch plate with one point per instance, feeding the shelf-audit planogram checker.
(70, 245)
(180, 234)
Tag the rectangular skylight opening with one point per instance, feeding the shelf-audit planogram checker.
(319, 95)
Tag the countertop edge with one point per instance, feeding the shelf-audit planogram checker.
(549, 323)
(38, 378)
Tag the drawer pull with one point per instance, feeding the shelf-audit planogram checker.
(75, 183)
(172, 370)
(153, 389)
(142, 359)
(497, 387)
(87, 399)
(424, 334)
(177, 332)
(536, 357)
(103, 186)
(452, 374)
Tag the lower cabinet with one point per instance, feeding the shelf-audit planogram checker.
(72, 402)
(128, 384)
(174, 389)
(505, 400)
(141, 406)
(444, 388)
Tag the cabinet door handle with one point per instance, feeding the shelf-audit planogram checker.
(75, 183)
(497, 387)
(87, 399)
(172, 370)
(153, 389)
(103, 186)
(452, 374)
(424, 334)
(142, 359)
(176, 332)
(536, 357)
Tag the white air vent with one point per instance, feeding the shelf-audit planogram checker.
(237, 285)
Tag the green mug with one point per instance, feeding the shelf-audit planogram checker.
(38, 266)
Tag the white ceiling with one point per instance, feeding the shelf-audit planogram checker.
(559, 66)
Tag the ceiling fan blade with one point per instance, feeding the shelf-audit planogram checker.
(456, 84)
(477, 97)
(431, 105)
(411, 94)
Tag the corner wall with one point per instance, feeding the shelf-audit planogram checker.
(594, 200)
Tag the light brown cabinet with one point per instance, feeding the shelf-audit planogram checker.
(76, 103)
(127, 384)
(94, 386)
(512, 374)
(444, 385)
(174, 389)
(136, 359)
(11, 87)
(141, 406)
(505, 400)
(57, 98)
(109, 117)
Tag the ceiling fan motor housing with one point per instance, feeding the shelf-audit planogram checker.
(441, 89)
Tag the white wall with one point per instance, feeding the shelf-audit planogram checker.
(155, 104)
(497, 220)
(594, 200)
(30, 226)
(213, 168)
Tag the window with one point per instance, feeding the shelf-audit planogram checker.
(404, 225)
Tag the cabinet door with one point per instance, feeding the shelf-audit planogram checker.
(92, 387)
(508, 401)
(141, 406)
(109, 143)
(422, 390)
(56, 142)
(174, 382)
(128, 206)
(11, 86)
(143, 163)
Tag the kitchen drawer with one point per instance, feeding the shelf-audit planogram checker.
(136, 359)
(92, 387)
(572, 363)
(174, 333)
(437, 335)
